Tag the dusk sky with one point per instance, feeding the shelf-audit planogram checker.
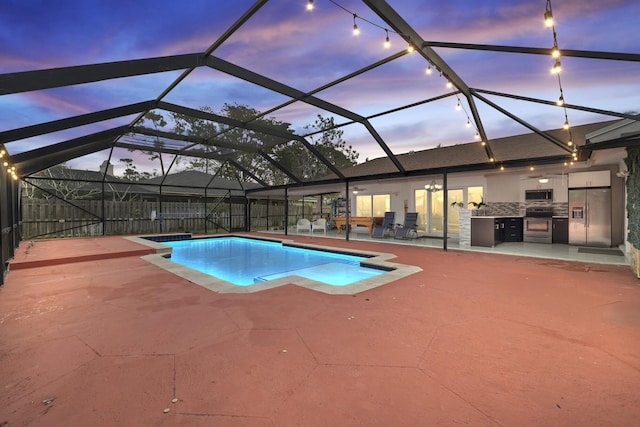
(307, 49)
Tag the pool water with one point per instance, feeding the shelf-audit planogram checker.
(245, 262)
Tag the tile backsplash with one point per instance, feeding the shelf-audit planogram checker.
(519, 208)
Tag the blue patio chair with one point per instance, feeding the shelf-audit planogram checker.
(387, 225)
(409, 228)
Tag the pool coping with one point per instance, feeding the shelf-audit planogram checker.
(376, 259)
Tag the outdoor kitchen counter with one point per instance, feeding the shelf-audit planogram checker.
(488, 231)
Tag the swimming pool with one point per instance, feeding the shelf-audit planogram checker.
(387, 271)
(245, 262)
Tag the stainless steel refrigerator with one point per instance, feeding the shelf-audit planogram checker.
(590, 216)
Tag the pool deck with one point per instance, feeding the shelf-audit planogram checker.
(91, 334)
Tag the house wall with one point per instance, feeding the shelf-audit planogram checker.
(504, 191)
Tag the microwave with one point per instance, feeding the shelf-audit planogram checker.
(538, 195)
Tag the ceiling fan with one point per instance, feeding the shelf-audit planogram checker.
(356, 189)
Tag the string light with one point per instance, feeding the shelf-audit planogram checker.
(556, 69)
(548, 16)
(11, 169)
(410, 48)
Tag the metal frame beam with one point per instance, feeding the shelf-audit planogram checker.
(193, 139)
(570, 106)
(41, 158)
(399, 25)
(275, 86)
(525, 124)
(286, 135)
(71, 122)
(613, 56)
(27, 81)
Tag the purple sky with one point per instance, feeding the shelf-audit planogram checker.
(305, 50)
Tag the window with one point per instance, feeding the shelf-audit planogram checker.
(475, 194)
(373, 205)
(431, 210)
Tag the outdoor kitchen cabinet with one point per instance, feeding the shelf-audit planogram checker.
(512, 229)
(489, 231)
(590, 179)
(560, 233)
(485, 231)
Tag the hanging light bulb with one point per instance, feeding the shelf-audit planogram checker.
(449, 84)
(310, 5)
(491, 159)
(458, 106)
(501, 167)
(484, 143)
(468, 123)
(548, 19)
(356, 30)
(570, 143)
(428, 70)
(565, 126)
(410, 48)
(387, 43)
(560, 102)
(557, 67)
(555, 52)
(477, 135)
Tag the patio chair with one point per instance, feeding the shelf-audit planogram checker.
(319, 224)
(387, 225)
(303, 225)
(408, 230)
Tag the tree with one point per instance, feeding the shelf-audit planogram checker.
(62, 182)
(248, 147)
(197, 127)
(158, 121)
(327, 140)
(131, 171)
(222, 140)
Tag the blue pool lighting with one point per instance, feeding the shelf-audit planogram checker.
(245, 261)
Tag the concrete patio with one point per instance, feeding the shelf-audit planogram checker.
(92, 335)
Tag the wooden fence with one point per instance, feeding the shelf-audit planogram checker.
(81, 218)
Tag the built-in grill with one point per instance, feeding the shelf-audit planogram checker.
(538, 225)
